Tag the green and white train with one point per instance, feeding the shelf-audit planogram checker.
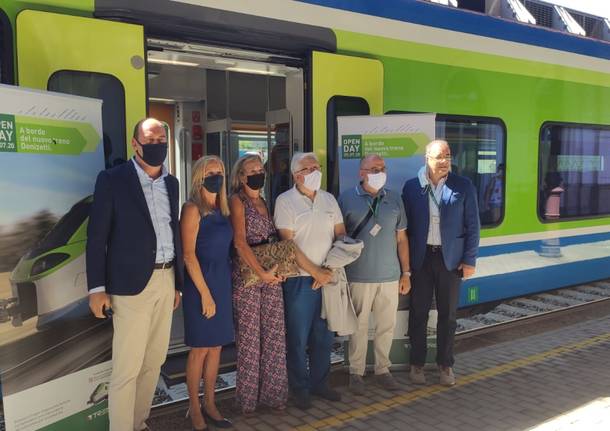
(524, 108)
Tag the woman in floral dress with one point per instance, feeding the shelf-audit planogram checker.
(259, 308)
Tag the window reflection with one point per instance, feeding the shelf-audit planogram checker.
(107, 88)
(574, 173)
(477, 149)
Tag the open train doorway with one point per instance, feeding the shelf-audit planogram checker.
(227, 102)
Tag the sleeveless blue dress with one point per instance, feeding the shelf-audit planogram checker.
(213, 247)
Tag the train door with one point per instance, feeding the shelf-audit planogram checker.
(341, 85)
(248, 102)
(87, 57)
(218, 141)
(217, 136)
(280, 147)
(228, 103)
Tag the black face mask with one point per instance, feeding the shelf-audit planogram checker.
(213, 183)
(154, 154)
(256, 181)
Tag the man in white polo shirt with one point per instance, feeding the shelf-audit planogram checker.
(312, 218)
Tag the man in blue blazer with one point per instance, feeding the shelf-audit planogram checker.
(134, 268)
(443, 235)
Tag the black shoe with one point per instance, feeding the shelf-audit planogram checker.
(302, 401)
(218, 423)
(327, 393)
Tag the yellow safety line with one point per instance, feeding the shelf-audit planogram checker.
(426, 392)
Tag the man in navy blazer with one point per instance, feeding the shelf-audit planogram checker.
(443, 232)
(134, 268)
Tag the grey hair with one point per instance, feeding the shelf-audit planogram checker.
(297, 158)
(368, 158)
(436, 142)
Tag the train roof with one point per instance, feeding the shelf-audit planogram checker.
(466, 21)
(309, 24)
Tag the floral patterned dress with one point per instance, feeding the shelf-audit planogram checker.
(259, 328)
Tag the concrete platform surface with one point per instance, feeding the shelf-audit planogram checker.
(551, 381)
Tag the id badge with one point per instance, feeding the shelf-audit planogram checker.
(375, 230)
(436, 219)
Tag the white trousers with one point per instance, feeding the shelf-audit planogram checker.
(142, 325)
(382, 300)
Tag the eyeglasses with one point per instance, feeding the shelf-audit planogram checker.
(308, 170)
(375, 170)
(440, 158)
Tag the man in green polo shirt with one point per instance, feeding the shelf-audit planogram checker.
(375, 215)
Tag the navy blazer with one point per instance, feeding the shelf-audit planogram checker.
(460, 224)
(121, 240)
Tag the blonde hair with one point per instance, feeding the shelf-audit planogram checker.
(238, 169)
(199, 171)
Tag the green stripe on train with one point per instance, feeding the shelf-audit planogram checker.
(427, 78)
(357, 43)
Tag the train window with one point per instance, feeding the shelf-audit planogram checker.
(574, 173)
(6, 49)
(339, 106)
(478, 150)
(107, 88)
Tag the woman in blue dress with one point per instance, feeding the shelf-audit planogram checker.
(208, 320)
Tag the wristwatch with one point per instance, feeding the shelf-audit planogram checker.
(407, 273)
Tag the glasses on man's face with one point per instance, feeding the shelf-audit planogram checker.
(308, 170)
(375, 170)
(441, 158)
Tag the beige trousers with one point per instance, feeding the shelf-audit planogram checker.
(142, 326)
(382, 299)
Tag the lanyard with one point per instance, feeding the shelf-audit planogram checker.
(374, 207)
(431, 193)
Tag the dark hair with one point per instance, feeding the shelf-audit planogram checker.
(137, 127)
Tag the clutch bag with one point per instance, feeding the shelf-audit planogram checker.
(280, 253)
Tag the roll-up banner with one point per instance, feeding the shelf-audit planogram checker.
(54, 355)
(401, 140)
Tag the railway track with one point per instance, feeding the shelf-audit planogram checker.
(534, 306)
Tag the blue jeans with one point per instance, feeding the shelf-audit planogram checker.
(306, 329)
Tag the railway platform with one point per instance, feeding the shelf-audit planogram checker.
(550, 375)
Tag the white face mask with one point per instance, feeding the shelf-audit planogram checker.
(313, 180)
(376, 181)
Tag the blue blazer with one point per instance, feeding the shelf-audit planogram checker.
(460, 223)
(121, 241)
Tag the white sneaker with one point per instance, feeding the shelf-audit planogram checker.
(447, 378)
(417, 376)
